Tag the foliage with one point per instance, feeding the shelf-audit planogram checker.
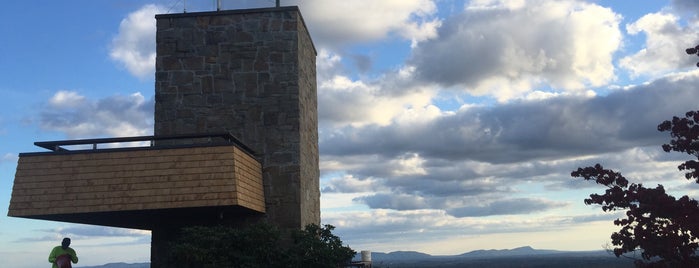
(318, 247)
(685, 139)
(259, 245)
(220, 246)
(663, 228)
(693, 51)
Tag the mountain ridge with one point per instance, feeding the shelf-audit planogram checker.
(519, 251)
(428, 260)
(524, 257)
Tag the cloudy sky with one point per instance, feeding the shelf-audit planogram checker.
(445, 126)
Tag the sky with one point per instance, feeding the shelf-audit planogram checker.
(444, 126)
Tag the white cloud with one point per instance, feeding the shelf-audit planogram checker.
(506, 49)
(665, 43)
(134, 45)
(9, 158)
(66, 99)
(334, 23)
(92, 231)
(350, 184)
(344, 101)
(408, 164)
(115, 116)
(689, 7)
(381, 229)
(547, 128)
(486, 154)
(506, 207)
(328, 64)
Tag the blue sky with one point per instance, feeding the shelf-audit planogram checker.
(445, 126)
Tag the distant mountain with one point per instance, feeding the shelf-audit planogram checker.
(400, 255)
(119, 265)
(522, 257)
(521, 251)
(491, 253)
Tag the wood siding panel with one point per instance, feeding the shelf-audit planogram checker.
(251, 194)
(136, 180)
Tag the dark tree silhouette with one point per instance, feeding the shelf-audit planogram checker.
(693, 51)
(258, 246)
(665, 230)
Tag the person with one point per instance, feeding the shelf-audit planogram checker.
(62, 251)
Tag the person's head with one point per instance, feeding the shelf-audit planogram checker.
(65, 243)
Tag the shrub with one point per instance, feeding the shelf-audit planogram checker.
(258, 245)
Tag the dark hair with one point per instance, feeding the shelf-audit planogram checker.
(65, 243)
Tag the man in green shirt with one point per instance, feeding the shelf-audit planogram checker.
(63, 249)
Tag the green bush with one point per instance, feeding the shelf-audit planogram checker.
(317, 247)
(258, 245)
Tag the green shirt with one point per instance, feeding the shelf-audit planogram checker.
(58, 251)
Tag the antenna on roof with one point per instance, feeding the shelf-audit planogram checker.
(184, 6)
(277, 3)
(218, 5)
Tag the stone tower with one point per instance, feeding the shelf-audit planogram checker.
(250, 73)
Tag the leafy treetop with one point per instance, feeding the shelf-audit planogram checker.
(665, 229)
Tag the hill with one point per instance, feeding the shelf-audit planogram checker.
(522, 257)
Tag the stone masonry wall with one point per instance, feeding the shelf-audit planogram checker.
(310, 172)
(250, 73)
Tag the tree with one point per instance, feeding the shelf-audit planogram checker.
(258, 245)
(665, 229)
(316, 247)
(693, 51)
(222, 246)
